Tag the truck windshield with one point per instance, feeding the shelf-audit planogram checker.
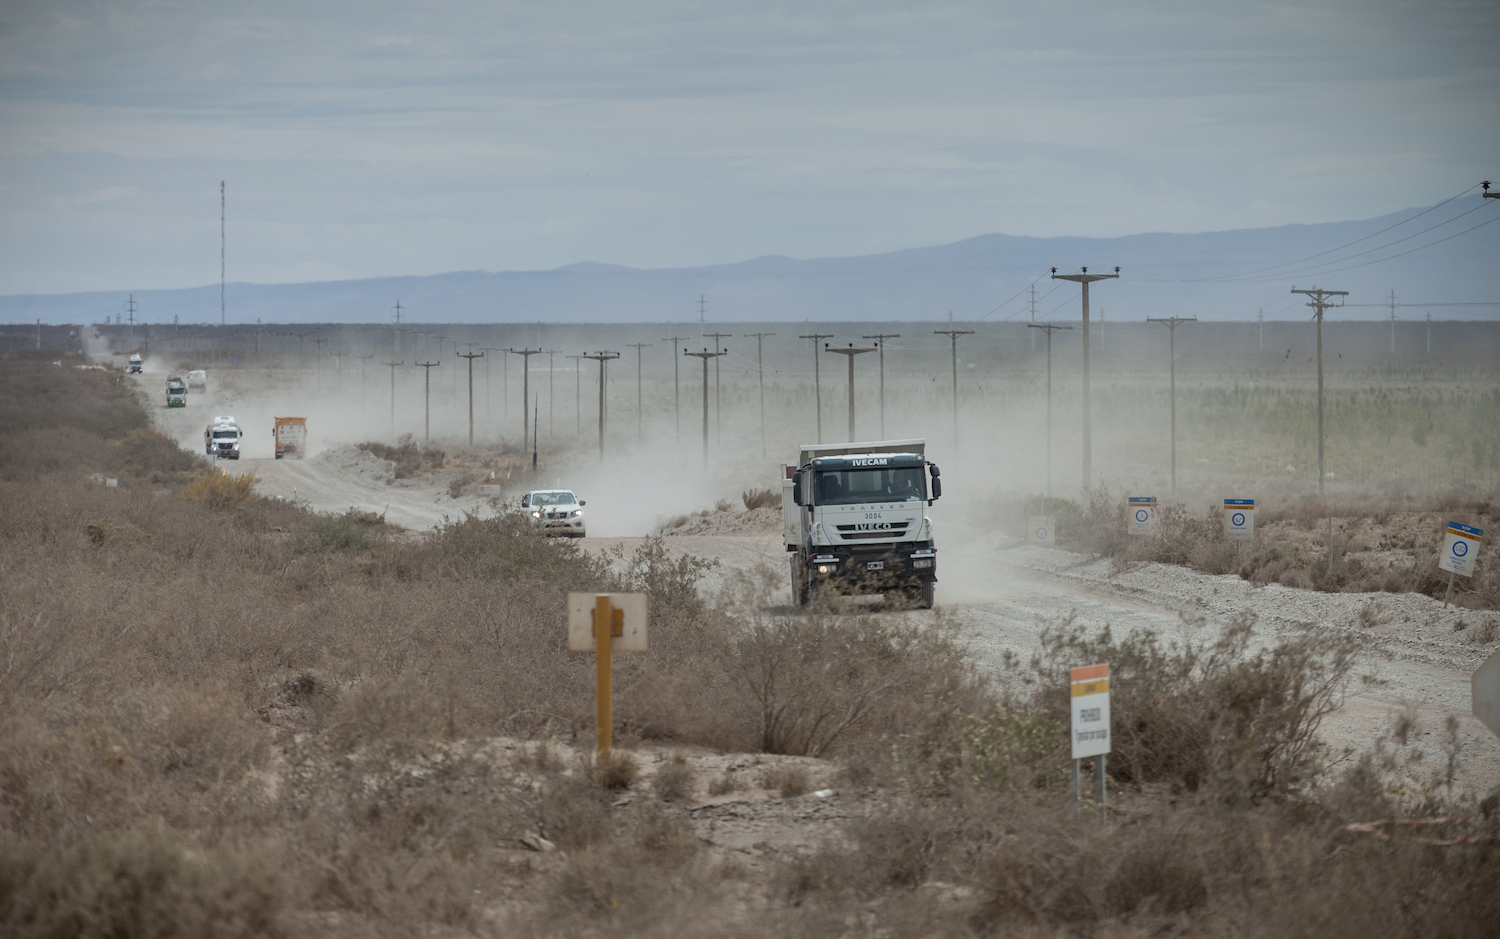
(226, 434)
(854, 486)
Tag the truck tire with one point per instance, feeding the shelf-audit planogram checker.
(799, 584)
(926, 594)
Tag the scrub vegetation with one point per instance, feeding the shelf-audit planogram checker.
(231, 716)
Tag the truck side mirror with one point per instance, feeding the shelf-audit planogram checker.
(797, 488)
(937, 489)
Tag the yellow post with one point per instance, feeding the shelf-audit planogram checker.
(603, 623)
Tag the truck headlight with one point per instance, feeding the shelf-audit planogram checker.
(823, 568)
(536, 515)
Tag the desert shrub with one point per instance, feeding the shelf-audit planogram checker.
(673, 782)
(410, 457)
(760, 498)
(457, 484)
(135, 884)
(1005, 749)
(217, 489)
(1192, 711)
(787, 780)
(354, 530)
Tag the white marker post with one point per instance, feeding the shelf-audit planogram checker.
(1142, 514)
(1460, 548)
(1239, 521)
(603, 623)
(1041, 531)
(1090, 692)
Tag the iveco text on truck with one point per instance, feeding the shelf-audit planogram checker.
(854, 519)
(291, 437)
(176, 393)
(222, 439)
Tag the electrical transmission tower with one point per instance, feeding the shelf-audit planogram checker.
(1172, 323)
(640, 433)
(525, 355)
(953, 335)
(718, 409)
(427, 400)
(880, 339)
(1050, 328)
(1085, 278)
(850, 353)
(817, 379)
(603, 358)
(705, 355)
(760, 371)
(1319, 304)
(676, 382)
(471, 356)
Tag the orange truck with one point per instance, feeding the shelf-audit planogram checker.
(291, 437)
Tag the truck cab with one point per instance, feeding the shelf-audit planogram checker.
(855, 520)
(221, 439)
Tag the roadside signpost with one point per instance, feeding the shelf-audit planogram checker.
(1239, 520)
(603, 623)
(1486, 690)
(1090, 693)
(1460, 548)
(1142, 514)
(1041, 531)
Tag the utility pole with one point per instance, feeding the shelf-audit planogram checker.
(489, 399)
(396, 331)
(319, 340)
(551, 400)
(1033, 316)
(577, 395)
(362, 360)
(221, 252)
(850, 353)
(1050, 329)
(525, 355)
(471, 356)
(718, 411)
(817, 380)
(702, 311)
(427, 400)
(1319, 304)
(1261, 315)
(1487, 193)
(705, 355)
(1393, 324)
(1085, 278)
(953, 335)
(760, 371)
(393, 395)
(1429, 324)
(1172, 323)
(676, 382)
(130, 308)
(39, 335)
(880, 339)
(603, 359)
(640, 433)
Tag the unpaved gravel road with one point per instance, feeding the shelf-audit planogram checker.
(1001, 594)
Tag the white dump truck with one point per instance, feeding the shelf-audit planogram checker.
(854, 519)
(222, 438)
(136, 365)
(197, 380)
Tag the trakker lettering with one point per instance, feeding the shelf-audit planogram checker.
(882, 461)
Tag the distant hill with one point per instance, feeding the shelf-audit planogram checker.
(970, 278)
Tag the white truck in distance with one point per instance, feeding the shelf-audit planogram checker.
(854, 519)
(197, 380)
(222, 439)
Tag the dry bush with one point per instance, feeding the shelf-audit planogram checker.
(787, 780)
(760, 498)
(1193, 712)
(457, 484)
(674, 780)
(617, 770)
(410, 457)
(217, 489)
(725, 783)
(136, 884)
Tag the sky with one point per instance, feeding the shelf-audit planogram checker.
(374, 139)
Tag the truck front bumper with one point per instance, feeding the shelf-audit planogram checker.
(873, 568)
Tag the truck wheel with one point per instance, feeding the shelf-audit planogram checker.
(799, 585)
(923, 596)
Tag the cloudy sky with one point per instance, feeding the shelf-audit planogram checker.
(371, 138)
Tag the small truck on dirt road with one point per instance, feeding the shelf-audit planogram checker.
(176, 393)
(854, 519)
(197, 380)
(291, 437)
(135, 366)
(222, 438)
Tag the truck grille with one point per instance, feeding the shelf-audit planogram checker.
(853, 532)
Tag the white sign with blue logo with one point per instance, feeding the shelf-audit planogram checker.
(1460, 548)
(1041, 531)
(1142, 514)
(1239, 519)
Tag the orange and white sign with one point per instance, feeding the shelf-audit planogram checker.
(1090, 690)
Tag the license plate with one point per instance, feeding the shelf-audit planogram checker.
(875, 566)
